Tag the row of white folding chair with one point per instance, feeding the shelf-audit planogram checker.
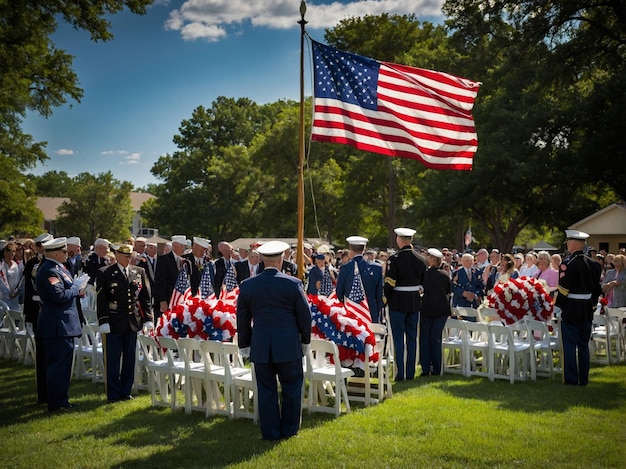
(488, 350)
(607, 339)
(363, 389)
(206, 371)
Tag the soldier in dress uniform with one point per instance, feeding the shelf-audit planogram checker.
(32, 305)
(124, 308)
(97, 259)
(403, 286)
(578, 292)
(58, 322)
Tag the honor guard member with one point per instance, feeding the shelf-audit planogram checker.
(97, 259)
(167, 268)
(58, 322)
(197, 262)
(32, 305)
(124, 308)
(578, 292)
(371, 277)
(403, 286)
(277, 341)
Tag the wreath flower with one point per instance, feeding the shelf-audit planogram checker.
(519, 298)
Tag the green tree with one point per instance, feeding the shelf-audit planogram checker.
(99, 206)
(52, 183)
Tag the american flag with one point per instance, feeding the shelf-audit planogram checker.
(206, 281)
(326, 288)
(230, 279)
(182, 289)
(356, 300)
(468, 236)
(394, 110)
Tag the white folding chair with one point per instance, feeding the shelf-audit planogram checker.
(160, 380)
(21, 343)
(452, 346)
(326, 378)
(543, 348)
(466, 312)
(476, 341)
(189, 351)
(83, 355)
(605, 342)
(215, 378)
(509, 358)
(375, 383)
(242, 382)
(169, 346)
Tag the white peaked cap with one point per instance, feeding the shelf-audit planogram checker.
(42, 238)
(205, 243)
(357, 240)
(273, 248)
(575, 234)
(75, 240)
(55, 244)
(407, 232)
(180, 239)
(435, 253)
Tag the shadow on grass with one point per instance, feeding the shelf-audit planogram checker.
(606, 390)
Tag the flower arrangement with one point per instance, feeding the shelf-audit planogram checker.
(208, 319)
(332, 321)
(520, 297)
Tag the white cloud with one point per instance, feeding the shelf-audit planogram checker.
(114, 152)
(64, 152)
(211, 19)
(132, 158)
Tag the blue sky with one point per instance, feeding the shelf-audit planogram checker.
(180, 55)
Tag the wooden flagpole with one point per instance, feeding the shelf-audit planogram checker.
(300, 252)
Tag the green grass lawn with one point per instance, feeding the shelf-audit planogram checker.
(433, 422)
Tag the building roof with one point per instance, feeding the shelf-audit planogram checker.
(137, 199)
(610, 220)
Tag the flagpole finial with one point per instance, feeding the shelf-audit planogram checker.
(302, 12)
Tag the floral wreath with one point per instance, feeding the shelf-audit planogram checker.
(521, 297)
(332, 321)
(208, 319)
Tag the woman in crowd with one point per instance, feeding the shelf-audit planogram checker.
(614, 284)
(10, 277)
(546, 272)
(529, 269)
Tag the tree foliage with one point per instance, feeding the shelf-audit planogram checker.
(99, 206)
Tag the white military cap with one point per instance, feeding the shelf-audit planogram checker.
(575, 234)
(180, 239)
(141, 238)
(435, 253)
(42, 238)
(126, 249)
(150, 243)
(407, 232)
(55, 244)
(205, 243)
(273, 248)
(75, 240)
(357, 240)
(101, 242)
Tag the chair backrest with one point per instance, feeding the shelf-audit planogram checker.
(476, 331)
(321, 351)
(487, 314)
(539, 331)
(500, 335)
(15, 321)
(169, 345)
(212, 352)
(186, 348)
(600, 320)
(151, 349)
(453, 329)
(380, 333)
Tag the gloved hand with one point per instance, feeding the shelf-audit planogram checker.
(306, 348)
(81, 281)
(244, 352)
(105, 328)
(148, 326)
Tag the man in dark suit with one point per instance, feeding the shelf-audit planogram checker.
(371, 276)
(124, 307)
(467, 286)
(197, 261)
(250, 267)
(58, 322)
(275, 302)
(403, 284)
(32, 304)
(225, 262)
(97, 259)
(167, 269)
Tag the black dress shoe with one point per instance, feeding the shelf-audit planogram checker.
(129, 397)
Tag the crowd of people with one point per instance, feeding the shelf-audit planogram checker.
(403, 286)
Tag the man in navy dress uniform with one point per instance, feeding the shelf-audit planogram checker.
(277, 341)
(58, 323)
(403, 285)
(578, 292)
(371, 276)
(124, 307)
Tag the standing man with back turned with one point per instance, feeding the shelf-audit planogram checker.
(403, 285)
(277, 342)
(578, 292)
